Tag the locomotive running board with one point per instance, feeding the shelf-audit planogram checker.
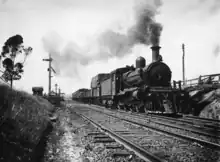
(160, 89)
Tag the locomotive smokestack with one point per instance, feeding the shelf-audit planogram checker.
(155, 53)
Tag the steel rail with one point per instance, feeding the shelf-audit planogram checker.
(143, 154)
(184, 137)
(182, 120)
(188, 138)
(189, 121)
(203, 119)
(178, 127)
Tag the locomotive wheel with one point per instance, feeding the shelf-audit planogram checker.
(127, 108)
(114, 106)
(148, 107)
(137, 108)
(141, 109)
(184, 107)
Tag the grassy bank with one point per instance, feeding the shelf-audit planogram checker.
(23, 120)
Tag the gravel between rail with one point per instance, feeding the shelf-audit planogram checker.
(181, 126)
(163, 146)
(70, 141)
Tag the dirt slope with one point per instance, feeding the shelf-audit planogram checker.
(23, 120)
(206, 102)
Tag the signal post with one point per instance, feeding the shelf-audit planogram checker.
(49, 72)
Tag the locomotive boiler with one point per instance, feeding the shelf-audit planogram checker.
(156, 73)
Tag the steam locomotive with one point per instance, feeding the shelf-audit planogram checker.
(144, 88)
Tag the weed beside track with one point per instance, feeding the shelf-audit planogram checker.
(23, 120)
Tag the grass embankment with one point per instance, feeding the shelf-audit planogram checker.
(24, 120)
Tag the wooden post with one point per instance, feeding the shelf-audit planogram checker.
(183, 63)
(49, 73)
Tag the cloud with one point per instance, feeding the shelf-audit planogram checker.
(4, 1)
(216, 50)
(66, 56)
(210, 7)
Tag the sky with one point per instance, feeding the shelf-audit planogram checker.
(75, 32)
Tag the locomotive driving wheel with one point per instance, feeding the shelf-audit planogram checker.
(140, 108)
(148, 106)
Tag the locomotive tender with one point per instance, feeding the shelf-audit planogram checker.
(143, 88)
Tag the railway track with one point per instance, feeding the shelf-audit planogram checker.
(194, 134)
(182, 126)
(202, 119)
(151, 143)
(195, 122)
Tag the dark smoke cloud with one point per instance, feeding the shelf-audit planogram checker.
(110, 43)
(216, 50)
(145, 31)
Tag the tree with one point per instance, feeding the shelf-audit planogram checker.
(13, 47)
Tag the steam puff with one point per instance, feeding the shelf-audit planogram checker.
(66, 60)
(113, 43)
(52, 42)
(145, 31)
(109, 43)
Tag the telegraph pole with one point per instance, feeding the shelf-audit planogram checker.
(59, 91)
(183, 63)
(56, 88)
(49, 71)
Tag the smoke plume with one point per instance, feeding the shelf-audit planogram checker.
(66, 57)
(145, 31)
(113, 43)
(110, 43)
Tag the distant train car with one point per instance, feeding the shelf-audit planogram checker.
(81, 94)
(38, 91)
(55, 99)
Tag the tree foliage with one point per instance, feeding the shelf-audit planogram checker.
(13, 47)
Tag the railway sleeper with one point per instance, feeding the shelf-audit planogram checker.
(107, 140)
(121, 153)
(95, 133)
(101, 136)
(111, 146)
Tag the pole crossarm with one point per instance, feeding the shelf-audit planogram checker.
(49, 71)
